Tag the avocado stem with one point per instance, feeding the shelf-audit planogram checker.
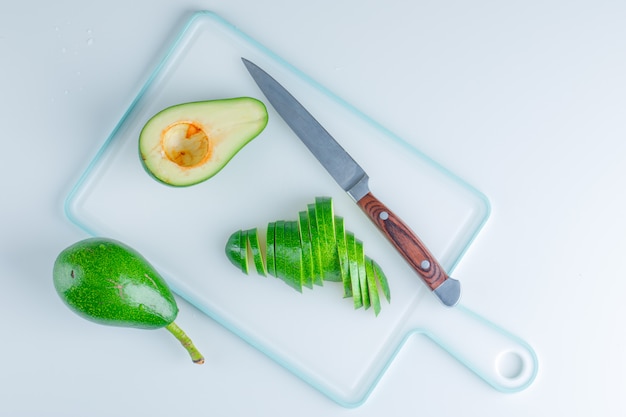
(184, 340)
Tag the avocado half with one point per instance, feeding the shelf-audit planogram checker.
(189, 143)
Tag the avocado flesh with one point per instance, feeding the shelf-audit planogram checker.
(107, 282)
(189, 143)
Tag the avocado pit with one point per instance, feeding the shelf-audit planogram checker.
(186, 144)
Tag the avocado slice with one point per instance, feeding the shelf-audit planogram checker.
(188, 143)
(307, 253)
(328, 241)
(279, 249)
(255, 249)
(318, 269)
(293, 256)
(313, 249)
(382, 280)
(270, 251)
(243, 248)
(360, 261)
(372, 290)
(236, 250)
(354, 270)
(342, 254)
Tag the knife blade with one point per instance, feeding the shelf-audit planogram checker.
(354, 180)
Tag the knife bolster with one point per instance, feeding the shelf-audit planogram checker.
(360, 188)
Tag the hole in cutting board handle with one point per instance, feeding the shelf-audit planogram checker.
(510, 365)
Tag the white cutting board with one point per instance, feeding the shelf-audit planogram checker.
(317, 335)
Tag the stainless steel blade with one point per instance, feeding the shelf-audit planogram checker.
(339, 164)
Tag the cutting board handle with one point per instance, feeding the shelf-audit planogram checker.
(503, 360)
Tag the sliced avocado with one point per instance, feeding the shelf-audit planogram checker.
(189, 143)
(311, 249)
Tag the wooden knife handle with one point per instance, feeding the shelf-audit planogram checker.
(404, 240)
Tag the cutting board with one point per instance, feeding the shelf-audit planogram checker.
(317, 334)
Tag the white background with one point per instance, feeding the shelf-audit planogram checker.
(525, 100)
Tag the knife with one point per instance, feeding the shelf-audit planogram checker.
(353, 179)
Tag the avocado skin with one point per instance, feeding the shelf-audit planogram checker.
(108, 282)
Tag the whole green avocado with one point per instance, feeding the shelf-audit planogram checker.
(110, 283)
